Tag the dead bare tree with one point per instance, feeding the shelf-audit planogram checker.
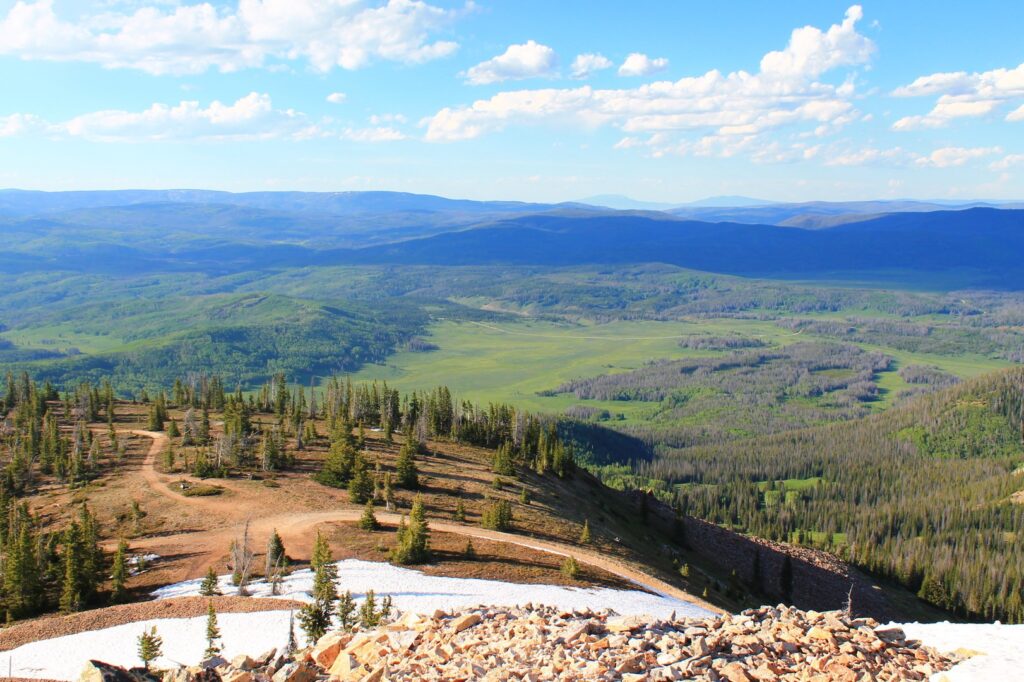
(242, 558)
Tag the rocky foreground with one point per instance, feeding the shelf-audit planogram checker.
(541, 643)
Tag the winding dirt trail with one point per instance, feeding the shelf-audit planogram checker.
(197, 550)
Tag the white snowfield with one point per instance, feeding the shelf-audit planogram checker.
(184, 639)
(999, 649)
(62, 658)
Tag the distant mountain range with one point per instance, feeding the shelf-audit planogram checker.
(198, 230)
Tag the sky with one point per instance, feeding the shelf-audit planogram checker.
(517, 99)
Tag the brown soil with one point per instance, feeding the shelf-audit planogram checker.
(191, 534)
(181, 607)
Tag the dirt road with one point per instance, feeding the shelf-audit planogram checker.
(194, 551)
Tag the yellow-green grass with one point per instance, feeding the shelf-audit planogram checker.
(513, 361)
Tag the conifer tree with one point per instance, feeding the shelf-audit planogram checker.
(276, 558)
(209, 587)
(414, 539)
(460, 511)
(71, 587)
(405, 468)
(119, 574)
(585, 533)
(315, 617)
(368, 521)
(360, 487)
(212, 632)
(150, 646)
(346, 610)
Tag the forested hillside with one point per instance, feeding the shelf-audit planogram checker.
(923, 494)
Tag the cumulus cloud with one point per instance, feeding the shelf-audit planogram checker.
(963, 95)
(1008, 161)
(376, 134)
(726, 109)
(948, 157)
(868, 156)
(586, 64)
(194, 38)
(252, 117)
(639, 64)
(337, 97)
(518, 62)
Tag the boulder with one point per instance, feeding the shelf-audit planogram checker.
(98, 671)
(466, 621)
(295, 672)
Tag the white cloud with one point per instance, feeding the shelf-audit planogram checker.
(377, 134)
(337, 97)
(20, 124)
(528, 60)
(192, 39)
(948, 157)
(586, 64)
(736, 105)
(252, 117)
(639, 64)
(1008, 161)
(963, 95)
(868, 156)
(811, 51)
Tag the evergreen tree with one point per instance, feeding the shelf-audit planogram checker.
(368, 521)
(150, 646)
(119, 575)
(405, 468)
(71, 587)
(460, 511)
(570, 568)
(315, 617)
(346, 611)
(276, 558)
(360, 487)
(414, 539)
(212, 632)
(585, 533)
(209, 587)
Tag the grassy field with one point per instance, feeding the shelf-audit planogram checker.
(512, 362)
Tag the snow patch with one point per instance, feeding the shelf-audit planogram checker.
(1000, 649)
(412, 590)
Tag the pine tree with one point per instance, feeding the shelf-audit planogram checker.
(71, 587)
(150, 646)
(119, 575)
(405, 468)
(503, 460)
(585, 533)
(276, 557)
(460, 511)
(570, 568)
(470, 551)
(315, 617)
(360, 487)
(369, 616)
(155, 423)
(212, 632)
(346, 610)
(172, 430)
(368, 521)
(414, 539)
(209, 587)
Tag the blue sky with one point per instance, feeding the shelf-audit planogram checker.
(548, 101)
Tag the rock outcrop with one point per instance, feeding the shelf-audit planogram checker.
(768, 644)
